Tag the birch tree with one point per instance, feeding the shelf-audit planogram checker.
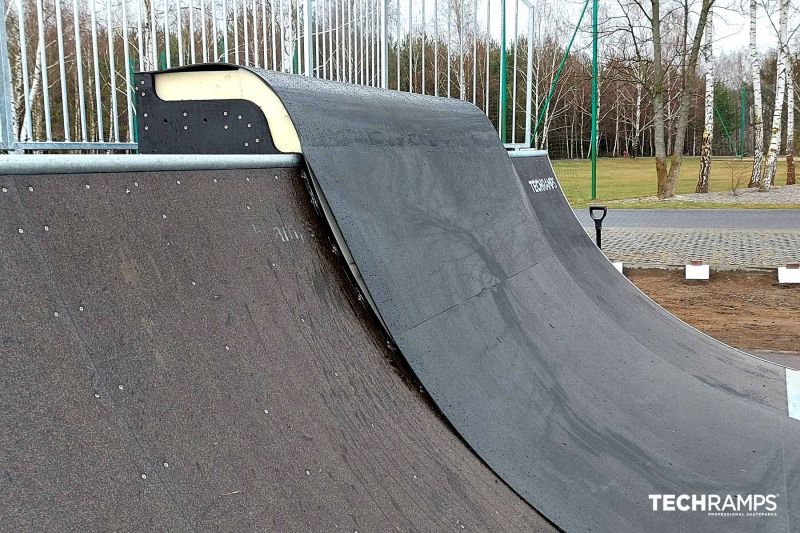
(148, 55)
(758, 112)
(768, 177)
(708, 130)
(790, 178)
(667, 177)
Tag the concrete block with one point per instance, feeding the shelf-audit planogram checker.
(697, 270)
(789, 274)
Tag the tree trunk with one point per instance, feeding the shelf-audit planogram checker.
(758, 113)
(708, 130)
(658, 104)
(790, 179)
(768, 178)
(149, 59)
(687, 68)
(616, 130)
(638, 120)
(33, 96)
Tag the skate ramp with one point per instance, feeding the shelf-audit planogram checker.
(183, 351)
(578, 391)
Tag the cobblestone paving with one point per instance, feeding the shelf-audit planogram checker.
(722, 249)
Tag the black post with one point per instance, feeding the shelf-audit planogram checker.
(598, 213)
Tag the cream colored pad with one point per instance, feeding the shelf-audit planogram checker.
(236, 84)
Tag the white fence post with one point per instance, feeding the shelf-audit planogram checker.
(308, 41)
(6, 92)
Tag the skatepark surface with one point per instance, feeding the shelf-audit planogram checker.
(191, 356)
(192, 351)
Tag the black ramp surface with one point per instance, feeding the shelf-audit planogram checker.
(581, 393)
(182, 351)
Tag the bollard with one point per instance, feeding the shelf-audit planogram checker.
(697, 270)
(598, 213)
(789, 274)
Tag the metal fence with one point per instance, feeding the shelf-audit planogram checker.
(66, 66)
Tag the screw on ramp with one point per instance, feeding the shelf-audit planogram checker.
(183, 351)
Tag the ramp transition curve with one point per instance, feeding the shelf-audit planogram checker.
(582, 394)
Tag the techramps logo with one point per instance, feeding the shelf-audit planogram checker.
(717, 505)
(543, 184)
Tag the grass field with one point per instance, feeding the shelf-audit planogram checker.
(619, 179)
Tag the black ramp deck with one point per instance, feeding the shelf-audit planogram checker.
(183, 352)
(581, 393)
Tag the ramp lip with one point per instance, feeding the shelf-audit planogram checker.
(527, 152)
(18, 165)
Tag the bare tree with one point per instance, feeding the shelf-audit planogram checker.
(758, 112)
(790, 177)
(768, 177)
(688, 55)
(708, 130)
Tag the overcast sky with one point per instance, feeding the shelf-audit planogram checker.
(731, 26)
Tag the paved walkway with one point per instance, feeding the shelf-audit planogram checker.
(751, 219)
(722, 249)
(724, 239)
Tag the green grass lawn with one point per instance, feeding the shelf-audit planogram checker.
(619, 179)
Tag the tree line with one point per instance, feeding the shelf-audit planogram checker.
(656, 96)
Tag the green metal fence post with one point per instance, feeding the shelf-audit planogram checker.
(594, 99)
(742, 107)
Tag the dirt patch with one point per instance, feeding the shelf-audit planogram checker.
(748, 310)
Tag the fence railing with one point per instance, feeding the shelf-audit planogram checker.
(66, 66)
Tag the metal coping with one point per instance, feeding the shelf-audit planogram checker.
(83, 164)
(527, 152)
(17, 165)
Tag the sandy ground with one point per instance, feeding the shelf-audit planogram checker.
(748, 310)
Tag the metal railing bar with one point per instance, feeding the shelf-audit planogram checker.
(96, 66)
(274, 42)
(45, 82)
(204, 37)
(112, 74)
(435, 47)
(215, 55)
(514, 81)
(141, 51)
(225, 28)
(153, 36)
(165, 24)
(62, 70)
(73, 145)
(246, 33)
(24, 60)
(180, 31)
(18, 165)
(126, 54)
(6, 90)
